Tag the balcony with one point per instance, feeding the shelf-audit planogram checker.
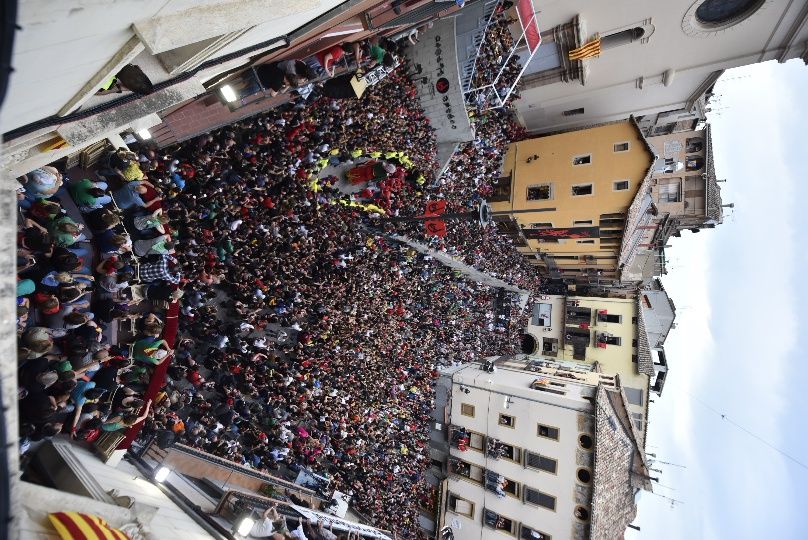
(496, 449)
(463, 439)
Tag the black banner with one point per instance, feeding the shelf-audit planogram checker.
(563, 232)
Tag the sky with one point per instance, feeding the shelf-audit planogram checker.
(738, 349)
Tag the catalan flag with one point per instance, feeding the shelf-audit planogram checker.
(588, 50)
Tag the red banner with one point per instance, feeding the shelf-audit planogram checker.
(435, 227)
(527, 17)
(435, 208)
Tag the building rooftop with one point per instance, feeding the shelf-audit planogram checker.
(713, 202)
(639, 207)
(645, 363)
(620, 467)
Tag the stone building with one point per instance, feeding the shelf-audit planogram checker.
(536, 449)
(655, 57)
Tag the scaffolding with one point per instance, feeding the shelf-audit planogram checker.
(495, 93)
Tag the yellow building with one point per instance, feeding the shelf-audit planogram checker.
(563, 198)
(609, 332)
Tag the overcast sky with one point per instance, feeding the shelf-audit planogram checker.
(741, 298)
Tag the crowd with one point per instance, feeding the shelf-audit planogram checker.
(91, 252)
(495, 65)
(269, 251)
(307, 338)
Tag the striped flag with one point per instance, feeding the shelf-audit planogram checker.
(588, 50)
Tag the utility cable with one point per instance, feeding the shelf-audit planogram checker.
(748, 432)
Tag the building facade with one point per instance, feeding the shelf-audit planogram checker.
(564, 197)
(683, 194)
(524, 441)
(655, 57)
(608, 334)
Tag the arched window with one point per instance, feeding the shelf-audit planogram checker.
(624, 37)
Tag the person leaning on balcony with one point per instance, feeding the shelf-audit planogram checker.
(119, 422)
(329, 58)
(271, 525)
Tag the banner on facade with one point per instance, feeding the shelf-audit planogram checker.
(437, 80)
(562, 233)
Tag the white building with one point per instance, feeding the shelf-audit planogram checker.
(538, 452)
(65, 51)
(656, 56)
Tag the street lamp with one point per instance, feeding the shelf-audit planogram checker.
(161, 474)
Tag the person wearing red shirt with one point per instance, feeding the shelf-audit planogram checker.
(329, 58)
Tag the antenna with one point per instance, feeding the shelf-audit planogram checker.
(669, 463)
(673, 501)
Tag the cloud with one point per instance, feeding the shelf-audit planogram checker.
(737, 293)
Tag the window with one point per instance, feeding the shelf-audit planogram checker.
(507, 420)
(467, 410)
(542, 463)
(548, 432)
(624, 37)
(621, 147)
(540, 192)
(542, 315)
(585, 241)
(693, 146)
(717, 13)
(634, 343)
(609, 340)
(670, 192)
(498, 522)
(582, 222)
(621, 185)
(584, 476)
(580, 190)
(532, 534)
(501, 190)
(496, 483)
(577, 315)
(542, 386)
(693, 163)
(582, 160)
(638, 420)
(498, 449)
(585, 441)
(609, 318)
(540, 226)
(634, 395)
(573, 112)
(581, 513)
(466, 470)
(459, 505)
(646, 301)
(534, 496)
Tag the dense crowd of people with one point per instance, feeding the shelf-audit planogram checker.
(308, 339)
(269, 251)
(90, 251)
(495, 65)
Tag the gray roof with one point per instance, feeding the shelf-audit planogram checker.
(641, 203)
(645, 364)
(620, 467)
(713, 202)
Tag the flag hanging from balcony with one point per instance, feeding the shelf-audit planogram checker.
(588, 50)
